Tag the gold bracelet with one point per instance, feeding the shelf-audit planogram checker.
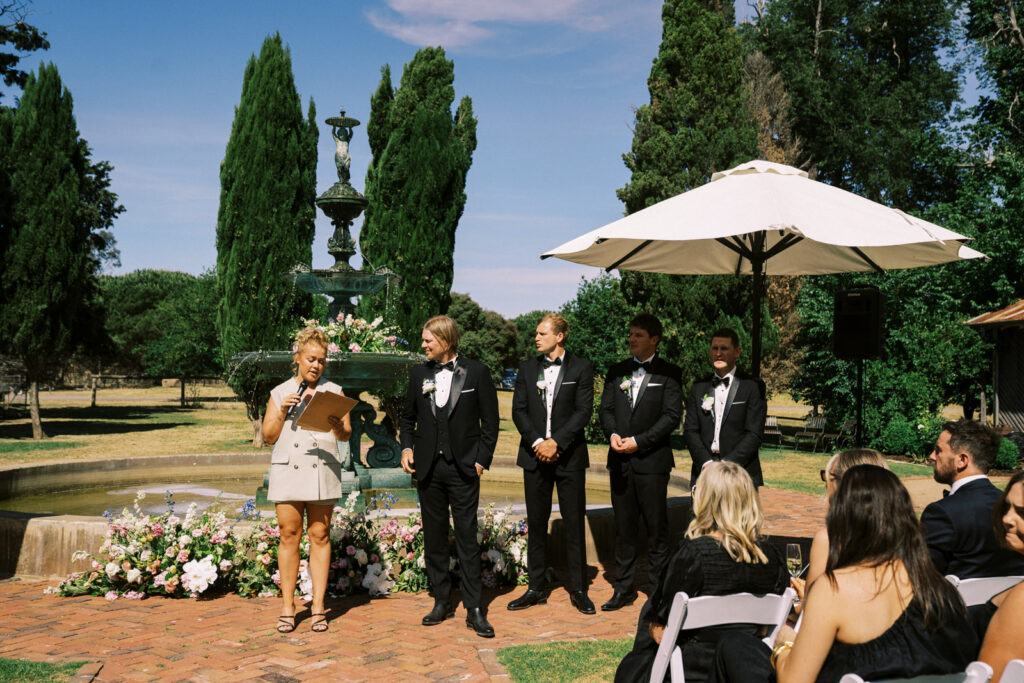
(779, 649)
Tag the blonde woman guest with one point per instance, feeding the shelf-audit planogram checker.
(305, 475)
(881, 611)
(722, 553)
(1004, 639)
(837, 465)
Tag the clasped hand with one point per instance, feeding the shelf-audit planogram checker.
(620, 445)
(546, 450)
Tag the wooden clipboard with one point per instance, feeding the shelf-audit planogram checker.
(323, 405)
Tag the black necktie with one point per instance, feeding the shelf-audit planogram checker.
(438, 367)
(547, 362)
(716, 380)
(645, 365)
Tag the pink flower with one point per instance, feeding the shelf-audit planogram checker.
(156, 530)
(410, 556)
(373, 557)
(134, 595)
(351, 550)
(111, 595)
(265, 559)
(295, 348)
(333, 348)
(354, 348)
(182, 556)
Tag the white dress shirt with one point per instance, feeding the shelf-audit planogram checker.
(443, 386)
(550, 378)
(721, 394)
(637, 379)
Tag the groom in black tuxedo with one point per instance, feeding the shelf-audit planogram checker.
(725, 412)
(449, 428)
(551, 407)
(640, 407)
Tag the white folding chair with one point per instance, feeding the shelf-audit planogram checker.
(1014, 672)
(979, 591)
(715, 610)
(976, 672)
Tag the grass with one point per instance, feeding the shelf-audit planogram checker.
(582, 660)
(23, 670)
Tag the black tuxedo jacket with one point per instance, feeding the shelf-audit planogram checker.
(471, 412)
(960, 538)
(653, 418)
(570, 411)
(742, 425)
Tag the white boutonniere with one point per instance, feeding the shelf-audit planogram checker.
(626, 384)
(428, 386)
(542, 384)
(707, 403)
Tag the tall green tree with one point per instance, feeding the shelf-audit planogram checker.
(416, 184)
(486, 336)
(265, 221)
(696, 123)
(58, 220)
(17, 38)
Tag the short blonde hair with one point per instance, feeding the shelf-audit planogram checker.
(726, 501)
(305, 337)
(839, 463)
(559, 325)
(445, 330)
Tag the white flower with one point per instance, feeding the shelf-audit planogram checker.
(496, 559)
(225, 565)
(542, 386)
(133, 575)
(305, 582)
(428, 386)
(261, 547)
(112, 569)
(451, 563)
(707, 403)
(199, 574)
(184, 540)
(626, 384)
(421, 561)
(146, 555)
(377, 321)
(336, 533)
(361, 557)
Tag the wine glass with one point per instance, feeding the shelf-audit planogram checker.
(794, 559)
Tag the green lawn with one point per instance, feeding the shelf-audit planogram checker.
(581, 660)
(25, 671)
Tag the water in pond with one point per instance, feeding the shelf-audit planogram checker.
(227, 495)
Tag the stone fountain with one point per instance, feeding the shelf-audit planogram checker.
(355, 372)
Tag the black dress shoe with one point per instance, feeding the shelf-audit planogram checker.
(440, 612)
(529, 599)
(618, 601)
(476, 620)
(581, 602)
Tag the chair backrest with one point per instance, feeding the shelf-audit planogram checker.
(849, 427)
(976, 672)
(978, 591)
(771, 422)
(816, 423)
(715, 610)
(1014, 672)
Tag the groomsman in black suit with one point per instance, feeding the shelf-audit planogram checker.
(551, 406)
(640, 407)
(958, 526)
(725, 412)
(449, 428)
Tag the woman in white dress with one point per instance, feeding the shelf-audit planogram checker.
(305, 475)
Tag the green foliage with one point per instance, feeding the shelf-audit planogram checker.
(416, 187)
(265, 221)
(486, 336)
(21, 37)
(26, 671)
(526, 324)
(598, 320)
(580, 660)
(594, 432)
(915, 438)
(1008, 455)
(186, 343)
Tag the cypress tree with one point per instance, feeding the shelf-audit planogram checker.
(695, 124)
(55, 230)
(265, 221)
(416, 186)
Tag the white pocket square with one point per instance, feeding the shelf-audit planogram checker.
(655, 384)
(737, 403)
(467, 391)
(567, 383)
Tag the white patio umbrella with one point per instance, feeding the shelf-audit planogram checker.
(763, 218)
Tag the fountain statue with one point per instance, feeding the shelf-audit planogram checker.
(355, 372)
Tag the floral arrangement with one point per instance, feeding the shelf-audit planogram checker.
(202, 554)
(348, 334)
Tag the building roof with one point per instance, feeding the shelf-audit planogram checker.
(1011, 315)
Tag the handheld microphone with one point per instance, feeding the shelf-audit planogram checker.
(302, 388)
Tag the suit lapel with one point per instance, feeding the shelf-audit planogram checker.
(562, 369)
(458, 380)
(730, 396)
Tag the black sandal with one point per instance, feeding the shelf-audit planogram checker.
(319, 626)
(286, 623)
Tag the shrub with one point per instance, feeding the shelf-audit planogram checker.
(1008, 455)
(913, 438)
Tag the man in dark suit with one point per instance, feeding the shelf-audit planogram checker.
(958, 527)
(551, 406)
(640, 407)
(449, 428)
(725, 412)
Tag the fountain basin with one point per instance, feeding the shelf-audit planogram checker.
(382, 371)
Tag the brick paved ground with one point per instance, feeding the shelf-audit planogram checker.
(230, 638)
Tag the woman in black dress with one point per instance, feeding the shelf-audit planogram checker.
(722, 553)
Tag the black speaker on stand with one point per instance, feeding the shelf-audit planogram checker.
(858, 333)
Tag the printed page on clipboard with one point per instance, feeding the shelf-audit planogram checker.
(320, 407)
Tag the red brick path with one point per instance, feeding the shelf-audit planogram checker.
(232, 639)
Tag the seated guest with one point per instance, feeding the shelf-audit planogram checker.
(881, 610)
(721, 553)
(957, 527)
(833, 472)
(1004, 639)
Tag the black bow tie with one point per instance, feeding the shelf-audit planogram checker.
(645, 365)
(716, 380)
(438, 367)
(547, 362)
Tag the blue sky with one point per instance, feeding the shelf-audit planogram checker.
(553, 85)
